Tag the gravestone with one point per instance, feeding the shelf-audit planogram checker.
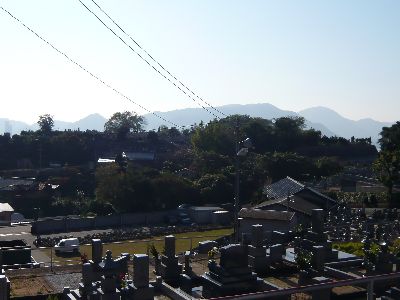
(258, 259)
(4, 287)
(276, 252)
(232, 276)
(141, 289)
(170, 268)
(316, 241)
(97, 250)
(384, 260)
(101, 278)
(188, 268)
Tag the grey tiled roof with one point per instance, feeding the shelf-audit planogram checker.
(266, 214)
(283, 188)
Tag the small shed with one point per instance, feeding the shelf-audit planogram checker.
(5, 213)
(203, 214)
(272, 220)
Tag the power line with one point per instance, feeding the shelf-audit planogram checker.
(157, 62)
(147, 62)
(87, 71)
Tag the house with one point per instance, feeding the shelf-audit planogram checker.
(203, 214)
(290, 195)
(272, 220)
(5, 213)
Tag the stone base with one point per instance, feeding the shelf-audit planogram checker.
(231, 286)
(170, 269)
(185, 283)
(260, 264)
(109, 296)
(143, 293)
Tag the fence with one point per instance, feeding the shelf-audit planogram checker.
(369, 281)
(47, 257)
(74, 223)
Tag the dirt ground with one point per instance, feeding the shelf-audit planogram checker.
(30, 286)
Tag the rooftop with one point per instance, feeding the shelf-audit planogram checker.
(266, 214)
(5, 207)
(283, 188)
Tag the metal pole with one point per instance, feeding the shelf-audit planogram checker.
(51, 259)
(236, 203)
(370, 290)
(40, 155)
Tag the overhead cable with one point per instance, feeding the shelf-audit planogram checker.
(88, 72)
(148, 63)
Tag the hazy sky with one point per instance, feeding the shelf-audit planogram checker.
(342, 54)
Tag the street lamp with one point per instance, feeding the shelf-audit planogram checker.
(241, 149)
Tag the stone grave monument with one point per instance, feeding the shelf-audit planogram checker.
(232, 275)
(170, 268)
(316, 241)
(258, 259)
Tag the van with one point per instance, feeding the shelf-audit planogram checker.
(67, 245)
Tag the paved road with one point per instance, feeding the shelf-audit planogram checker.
(17, 232)
(8, 233)
(24, 232)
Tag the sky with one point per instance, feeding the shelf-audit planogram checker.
(344, 55)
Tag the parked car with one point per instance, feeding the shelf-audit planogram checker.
(67, 245)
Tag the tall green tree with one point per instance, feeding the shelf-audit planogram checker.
(123, 123)
(390, 137)
(387, 168)
(46, 123)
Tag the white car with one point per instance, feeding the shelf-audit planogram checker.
(67, 245)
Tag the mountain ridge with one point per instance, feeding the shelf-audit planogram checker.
(327, 120)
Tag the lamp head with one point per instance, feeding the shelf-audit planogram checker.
(247, 143)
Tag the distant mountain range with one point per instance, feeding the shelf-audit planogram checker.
(329, 122)
(92, 122)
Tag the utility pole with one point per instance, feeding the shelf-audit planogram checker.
(241, 149)
(40, 155)
(236, 202)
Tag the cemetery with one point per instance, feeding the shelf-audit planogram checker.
(300, 264)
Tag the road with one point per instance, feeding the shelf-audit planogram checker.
(16, 232)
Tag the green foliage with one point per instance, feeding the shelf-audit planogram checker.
(387, 168)
(46, 123)
(215, 188)
(327, 166)
(358, 199)
(390, 137)
(123, 123)
(282, 164)
(356, 248)
(154, 252)
(303, 259)
(142, 190)
(52, 297)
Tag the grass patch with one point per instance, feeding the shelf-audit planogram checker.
(184, 241)
(355, 248)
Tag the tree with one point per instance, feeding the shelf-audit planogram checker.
(387, 168)
(46, 123)
(390, 137)
(215, 188)
(123, 123)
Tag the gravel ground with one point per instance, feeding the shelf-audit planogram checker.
(59, 281)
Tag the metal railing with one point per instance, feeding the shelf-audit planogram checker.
(367, 280)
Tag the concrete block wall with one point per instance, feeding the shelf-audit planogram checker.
(55, 225)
